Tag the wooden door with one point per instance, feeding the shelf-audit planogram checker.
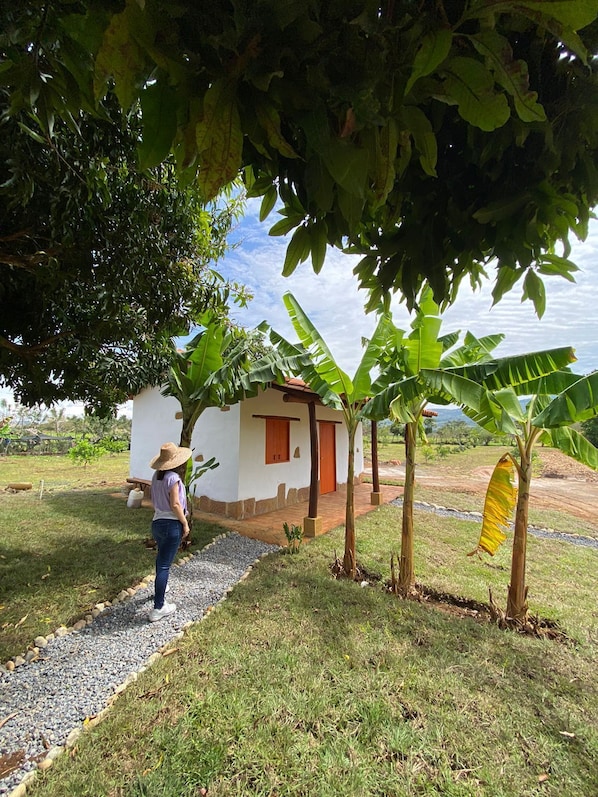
(327, 457)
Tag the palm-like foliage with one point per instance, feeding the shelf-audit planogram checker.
(335, 388)
(559, 398)
(408, 396)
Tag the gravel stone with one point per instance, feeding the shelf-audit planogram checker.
(476, 517)
(75, 675)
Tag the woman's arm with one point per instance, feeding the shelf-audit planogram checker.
(175, 505)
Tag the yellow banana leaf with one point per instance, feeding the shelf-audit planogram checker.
(501, 497)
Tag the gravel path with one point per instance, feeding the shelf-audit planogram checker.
(76, 674)
(476, 517)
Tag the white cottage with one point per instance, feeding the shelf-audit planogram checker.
(263, 445)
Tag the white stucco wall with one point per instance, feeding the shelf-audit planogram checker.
(238, 442)
(153, 424)
(216, 434)
(258, 480)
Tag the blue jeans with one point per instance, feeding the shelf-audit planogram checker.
(167, 534)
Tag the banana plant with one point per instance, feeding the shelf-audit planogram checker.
(320, 370)
(406, 399)
(214, 369)
(221, 365)
(557, 400)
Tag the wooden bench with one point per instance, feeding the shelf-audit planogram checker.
(141, 484)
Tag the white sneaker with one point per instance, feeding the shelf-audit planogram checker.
(158, 614)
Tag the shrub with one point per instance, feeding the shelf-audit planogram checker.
(84, 452)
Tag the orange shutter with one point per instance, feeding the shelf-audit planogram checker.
(277, 440)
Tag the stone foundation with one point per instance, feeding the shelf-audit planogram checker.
(249, 507)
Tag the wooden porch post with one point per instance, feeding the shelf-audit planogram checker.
(376, 495)
(312, 524)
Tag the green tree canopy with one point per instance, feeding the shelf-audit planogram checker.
(100, 264)
(589, 429)
(431, 137)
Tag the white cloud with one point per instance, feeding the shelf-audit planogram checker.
(335, 305)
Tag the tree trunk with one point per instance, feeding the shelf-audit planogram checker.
(375, 468)
(406, 564)
(517, 595)
(185, 442)
(349, 563)
(187, 432)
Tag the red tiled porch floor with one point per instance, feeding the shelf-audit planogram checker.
(331, 508)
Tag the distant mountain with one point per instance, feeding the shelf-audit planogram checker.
(446, 414)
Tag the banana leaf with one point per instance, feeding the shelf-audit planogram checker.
(576, 402)
(573, 444)
(501, 498)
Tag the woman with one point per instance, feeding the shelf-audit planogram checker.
(169, 525)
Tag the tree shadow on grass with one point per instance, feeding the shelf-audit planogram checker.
(85, 541)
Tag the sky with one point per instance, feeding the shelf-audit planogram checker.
(334, 304)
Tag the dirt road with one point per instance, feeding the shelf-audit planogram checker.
(564, 483)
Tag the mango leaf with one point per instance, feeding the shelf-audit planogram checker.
(577, 402)
(219, 138)
(386, 153)
(297, 250)
(574, 445)
(318, 242)
(502, 209)
(574, 14)
(554, 265)
(35, 136)
(348, 165)
(120, 58)
(268, 202)
(501, 497)
(423, 136)
(565, 35)
(350, 206)
(471, 87)
(269, 119)
(285, 225)
(533, 288)
(506, 278)
(159, 118)
(512, 75)
(435, 47)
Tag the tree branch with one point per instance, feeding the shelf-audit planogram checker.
(28, 351)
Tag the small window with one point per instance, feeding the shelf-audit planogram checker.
(277, 440)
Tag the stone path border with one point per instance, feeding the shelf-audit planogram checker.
(250, 548)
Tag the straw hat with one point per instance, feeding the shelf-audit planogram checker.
(170, 457)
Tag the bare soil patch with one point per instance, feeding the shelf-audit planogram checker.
(563, 484)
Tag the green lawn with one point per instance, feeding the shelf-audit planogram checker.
(300, 684)
(73, 547)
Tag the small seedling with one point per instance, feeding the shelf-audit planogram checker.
(294, 535)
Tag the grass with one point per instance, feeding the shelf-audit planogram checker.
(300, 684)
(75, 546)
